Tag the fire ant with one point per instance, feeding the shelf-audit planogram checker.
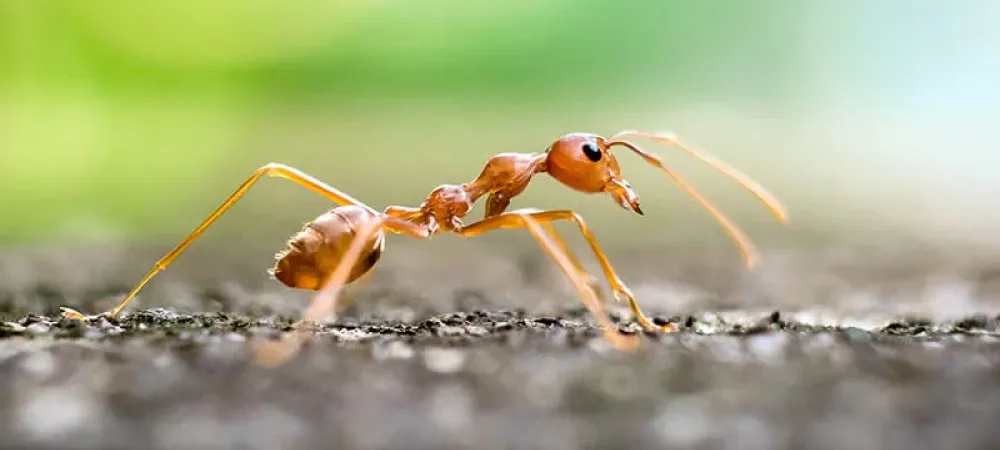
(346, 242)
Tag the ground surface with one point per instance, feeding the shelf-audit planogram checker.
(819, 350)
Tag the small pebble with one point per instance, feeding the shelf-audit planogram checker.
(93, 334)
(769, 347)
(476, 330)
(113, 330)
(235, 337)
(392, 350)
(683, 421)
(59, 415)
(448, 330)
(444, 360)
(39, 364)
(13, 328)
(857, 334)
(39, 328)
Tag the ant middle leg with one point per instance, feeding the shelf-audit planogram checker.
(516, 219)
(271, 170)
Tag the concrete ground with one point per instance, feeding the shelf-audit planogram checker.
(845, 349)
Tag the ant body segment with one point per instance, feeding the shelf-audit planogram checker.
(346, 242)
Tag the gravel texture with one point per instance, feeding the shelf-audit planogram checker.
(820, 350)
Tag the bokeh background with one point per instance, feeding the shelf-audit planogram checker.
(123, 124)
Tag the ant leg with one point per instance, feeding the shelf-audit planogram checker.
(497, 203)
(403, 226)
(592, 281)
(323, 303)
(407, 213)
(579, 282)
(271, 170)
(516, 219)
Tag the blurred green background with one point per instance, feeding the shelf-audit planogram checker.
(133, 120)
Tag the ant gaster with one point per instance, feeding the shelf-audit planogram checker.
(346, 242)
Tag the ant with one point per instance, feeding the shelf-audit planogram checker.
(346, 242)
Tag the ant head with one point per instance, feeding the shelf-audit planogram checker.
(584, 162)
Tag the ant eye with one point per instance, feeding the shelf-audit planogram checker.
(593, 153)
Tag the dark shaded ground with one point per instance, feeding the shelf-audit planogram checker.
(498, 380)
(863, 353)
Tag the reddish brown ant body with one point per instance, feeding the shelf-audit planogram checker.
(346, 242)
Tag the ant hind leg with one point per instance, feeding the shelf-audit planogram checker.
(271, 170)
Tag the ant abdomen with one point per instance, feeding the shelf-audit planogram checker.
(312, 255)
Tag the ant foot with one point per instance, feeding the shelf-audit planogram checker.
(275, 353)
(623, 342)
(622, 291)
(623, 294)
(667, 328)
(648, 324)
(620, 341)
(72, 314)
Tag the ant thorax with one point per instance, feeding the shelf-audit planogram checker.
(446, 205)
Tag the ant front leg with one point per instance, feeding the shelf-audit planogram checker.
(271, 170)
(592, 281)
(497, 204)
(516, 219)
(579, 282)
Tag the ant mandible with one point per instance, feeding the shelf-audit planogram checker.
(346, 242)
